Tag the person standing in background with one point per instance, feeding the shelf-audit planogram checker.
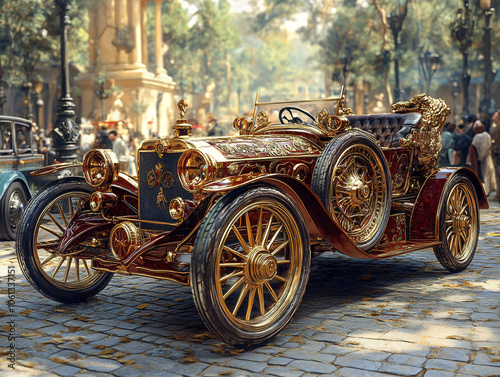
(495, 147)
(482, 143)
(444, 157)
(120, 148)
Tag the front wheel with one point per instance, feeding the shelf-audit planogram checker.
(458, 225)
(250, 265)
(60, 277)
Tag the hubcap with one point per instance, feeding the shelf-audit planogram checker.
(16, 207)
(261, 266)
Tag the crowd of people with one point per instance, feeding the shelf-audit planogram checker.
(474, 143)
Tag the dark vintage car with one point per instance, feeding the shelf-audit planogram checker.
(18, 158)
(238, 218)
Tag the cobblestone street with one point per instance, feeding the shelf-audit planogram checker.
(405, 316)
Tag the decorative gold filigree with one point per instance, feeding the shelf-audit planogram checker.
(162, 146)
(262, 119)
(182, 105)
(274, 149)
(426, 139)
(161, 200)
(157, 177)
(243, 125)
(237, 168)
(333, 124)
(182, 127)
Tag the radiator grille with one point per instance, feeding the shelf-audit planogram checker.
(158, 185)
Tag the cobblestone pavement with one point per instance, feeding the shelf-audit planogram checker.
(405, 316)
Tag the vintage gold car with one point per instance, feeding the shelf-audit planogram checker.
(238, 218)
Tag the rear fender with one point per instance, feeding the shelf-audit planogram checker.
(429, 201)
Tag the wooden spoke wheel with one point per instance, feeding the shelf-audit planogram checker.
(458, 224)
(352, 179)
(250, 265)
(60, 277)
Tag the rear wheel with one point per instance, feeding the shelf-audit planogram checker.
(458, 225)
(11, 207)
(60, 277)
(250, 265)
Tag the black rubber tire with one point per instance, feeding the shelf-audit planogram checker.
(29, 260)
(204, 264)
(463, 188)
(9, 222)
(327, 166)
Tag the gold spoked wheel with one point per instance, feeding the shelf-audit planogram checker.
(65, 271)
(458, 225)
(460, 221)
(257, 263)
(352, 179)
(358, 193)
(258, 269)
(61, 276)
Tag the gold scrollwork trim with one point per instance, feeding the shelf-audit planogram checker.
(427, 139)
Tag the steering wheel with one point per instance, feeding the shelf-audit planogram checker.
(294, 119)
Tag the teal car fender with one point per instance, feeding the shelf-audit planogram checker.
(8, 177)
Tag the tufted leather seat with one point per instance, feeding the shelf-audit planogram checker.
(388, 129)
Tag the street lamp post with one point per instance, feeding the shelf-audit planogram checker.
(487, 105)
(431, 61)
(395, 21)
(65, 134)
(462, 29)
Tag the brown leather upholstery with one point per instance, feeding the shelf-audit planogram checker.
(388, 129)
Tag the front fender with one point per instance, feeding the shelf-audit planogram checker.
(424, 218)
(85, 224)
(6, 179)
(54, 168)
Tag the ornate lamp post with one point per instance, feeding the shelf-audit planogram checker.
(66, 132)
(395, 21)
(462, 29)
(430, 62)
(487, 104)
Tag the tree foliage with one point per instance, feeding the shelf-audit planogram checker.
(210, 48)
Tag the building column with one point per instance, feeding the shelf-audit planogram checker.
(160, 70)
(144, 37)
(136, 22)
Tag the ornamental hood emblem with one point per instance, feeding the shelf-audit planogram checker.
(157, 177)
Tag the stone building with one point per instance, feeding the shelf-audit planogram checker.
(118, 45)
